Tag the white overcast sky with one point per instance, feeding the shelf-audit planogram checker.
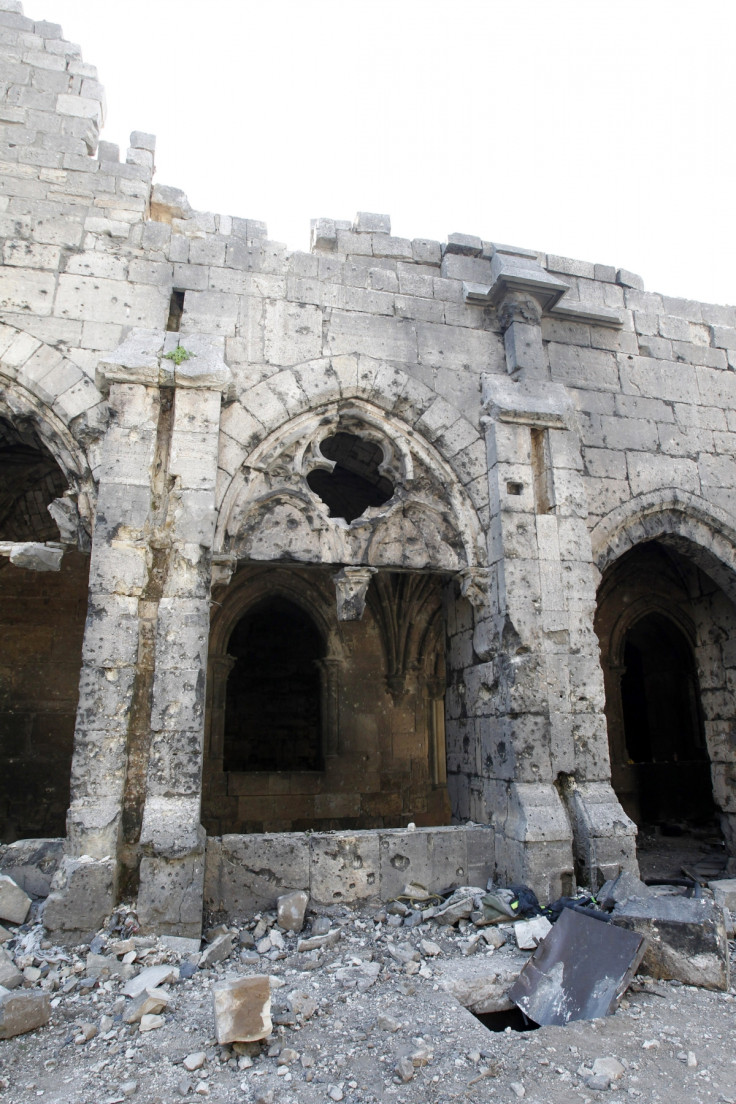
(598, 129)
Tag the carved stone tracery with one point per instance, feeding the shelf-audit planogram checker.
(271, 513)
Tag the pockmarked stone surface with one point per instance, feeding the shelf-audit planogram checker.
(242, 1009)
(391, 562)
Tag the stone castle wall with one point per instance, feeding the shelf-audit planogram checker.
(537, 418)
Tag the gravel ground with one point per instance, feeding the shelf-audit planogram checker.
(362, 1020)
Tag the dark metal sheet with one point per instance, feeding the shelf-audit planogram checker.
(579, 971)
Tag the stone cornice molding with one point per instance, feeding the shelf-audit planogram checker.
(518, 277)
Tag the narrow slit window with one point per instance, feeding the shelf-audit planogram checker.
(176, 310)
(544, 495)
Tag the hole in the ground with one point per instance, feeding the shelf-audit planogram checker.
(513, 1019)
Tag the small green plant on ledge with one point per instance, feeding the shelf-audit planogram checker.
(178, 355)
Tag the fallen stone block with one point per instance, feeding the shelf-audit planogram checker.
(530, 933)
(102, 966)
(32, 863)
(10, 975)
(724, 892)
(180, 944)
(148, 1003)
(219, 949)
(687, 938)
(150, 1022)
(150, 978)
(290, 909)
(194, 1061)
(317, 941)
(625, 887)
(15, 903)
(242, 1008)
(22, 1011)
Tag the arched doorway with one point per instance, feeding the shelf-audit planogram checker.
(42, 617)
(663, 723)
(667, 632)
(319, 724)
(273, 710)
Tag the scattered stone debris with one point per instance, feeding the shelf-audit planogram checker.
(350, 1007)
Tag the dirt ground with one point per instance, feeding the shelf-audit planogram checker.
(344, 1017)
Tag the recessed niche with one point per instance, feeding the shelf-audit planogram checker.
(355, 482)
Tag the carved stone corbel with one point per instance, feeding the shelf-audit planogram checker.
(475, 586)
(351, 584)
(223, 568)
(519, 307)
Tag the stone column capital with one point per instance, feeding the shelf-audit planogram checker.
(519, 306)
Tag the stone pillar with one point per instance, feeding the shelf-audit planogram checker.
(136, 775)
(542, 743)
(551, 797)
(172, 838)
(87, 883)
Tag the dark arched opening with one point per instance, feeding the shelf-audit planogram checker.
(30, 479)
(273, 709)
(42, 615)
(663, 723)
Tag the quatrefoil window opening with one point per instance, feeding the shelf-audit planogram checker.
(355, 483)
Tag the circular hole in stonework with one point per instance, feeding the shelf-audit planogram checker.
(355, 482)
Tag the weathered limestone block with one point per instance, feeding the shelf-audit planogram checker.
(343, 867)
(32, 864)
(432, 858)
(687, 938)
(148, 1003)
(36, 557)
(533, 839)
(604, 837)
(14, 901)
(170, 894)
(352, 588)
(82, 895)
(149, 978)
(22, 1012)
(10, 975)
(290, 910)
(242, 1008)
(481, 985)
(247, 873)
(724, 892)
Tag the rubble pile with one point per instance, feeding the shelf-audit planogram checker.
(293, 1004)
